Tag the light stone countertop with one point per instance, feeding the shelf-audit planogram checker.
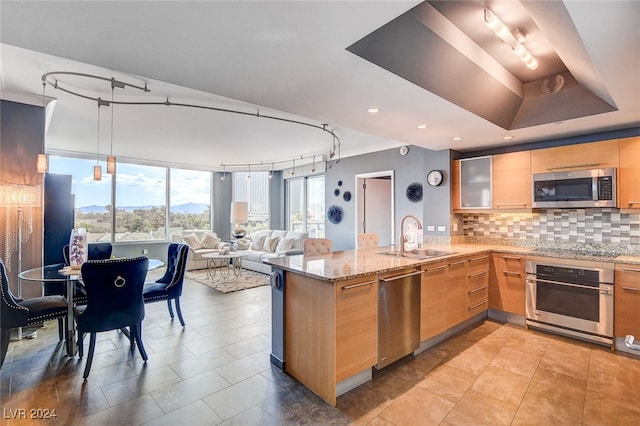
(349, 264)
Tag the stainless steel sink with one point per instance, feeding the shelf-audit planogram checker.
(419, 253)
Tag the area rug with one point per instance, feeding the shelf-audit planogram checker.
(248, 279)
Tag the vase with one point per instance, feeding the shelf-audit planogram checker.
(77, 248)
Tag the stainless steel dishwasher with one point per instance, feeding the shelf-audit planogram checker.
(398, 316)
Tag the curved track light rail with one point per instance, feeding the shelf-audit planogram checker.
(48, 79)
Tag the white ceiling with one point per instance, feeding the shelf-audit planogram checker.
(285, 59)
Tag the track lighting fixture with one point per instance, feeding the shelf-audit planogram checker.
(513, 41)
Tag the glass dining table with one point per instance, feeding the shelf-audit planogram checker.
(59, 273)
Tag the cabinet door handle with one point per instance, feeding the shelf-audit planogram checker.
(470, 308)
(511, 257)
(573, 166)
(630, 270)
(515, 274)
(349, 287)
(633, 202)
(511, 205)
(631, 289)
(458, 263)
(435, 269)
(475, 290)
(476, 274)
(478, 258)
(397, 277)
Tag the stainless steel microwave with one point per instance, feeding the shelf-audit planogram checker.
(576, 189)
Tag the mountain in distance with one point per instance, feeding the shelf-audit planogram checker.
(187, 208)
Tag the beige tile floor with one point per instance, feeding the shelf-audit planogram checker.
(217, 371)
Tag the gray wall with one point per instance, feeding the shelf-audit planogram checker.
(407, 169)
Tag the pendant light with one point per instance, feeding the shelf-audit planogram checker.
(42, 162)
(97, 169)
(111, 160)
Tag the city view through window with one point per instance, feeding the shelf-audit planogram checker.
(140, 200)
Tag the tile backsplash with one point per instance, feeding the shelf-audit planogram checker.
(597, 226)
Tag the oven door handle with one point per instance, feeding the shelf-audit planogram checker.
(565, 284)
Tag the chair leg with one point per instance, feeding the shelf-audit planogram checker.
(92, 347)
(80, 344)
(4, 337)
(170, 308)
(137, 329)
(61, 328)
(178, 310)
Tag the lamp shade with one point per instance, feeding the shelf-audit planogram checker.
(239, 212)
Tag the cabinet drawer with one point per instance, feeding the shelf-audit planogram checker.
(477, 294)
(627, 306)
(627, 273)
(478, 263)
(477, 279)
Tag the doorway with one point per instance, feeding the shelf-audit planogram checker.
(375, 206)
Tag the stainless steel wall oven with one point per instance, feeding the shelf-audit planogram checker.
(571, 297)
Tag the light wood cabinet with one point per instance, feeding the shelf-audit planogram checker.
(594, 155)
(629, 173)
(356, 326)
(456, 303)
(477, 285)
(511, 179)
(452, 291)
(627, 300)
(455, 185)
(331, 330)
(507, 283)
(433, 299)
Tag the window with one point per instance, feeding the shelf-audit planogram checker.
(253, 187)
(93, 208)
(190, 200)
(305, 205)
(141, 194)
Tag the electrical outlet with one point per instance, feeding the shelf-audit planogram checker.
(431, 228)
(455, 226)
(442, 228)
(145, 251)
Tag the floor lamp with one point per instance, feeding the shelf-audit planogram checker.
(18, 202)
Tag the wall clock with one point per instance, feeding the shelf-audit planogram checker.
(434, 177)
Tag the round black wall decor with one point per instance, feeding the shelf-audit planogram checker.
(336, 192)
(334, 214)
(339, 183)
(414, 192)
(346, 196)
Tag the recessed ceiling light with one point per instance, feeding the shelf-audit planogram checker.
(457, 138)
(507, 138)
(373, 110)
(422, 126)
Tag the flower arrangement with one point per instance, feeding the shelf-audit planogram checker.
(77, 248)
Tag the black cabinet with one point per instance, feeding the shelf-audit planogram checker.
(58, 216)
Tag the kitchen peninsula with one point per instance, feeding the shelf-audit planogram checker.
(330, 319)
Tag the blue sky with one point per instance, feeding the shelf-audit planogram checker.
(136, 185)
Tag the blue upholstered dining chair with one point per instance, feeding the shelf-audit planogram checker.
(95, 251)
(114, 301)
(17, 312)
(169, 287)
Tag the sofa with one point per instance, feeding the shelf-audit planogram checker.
(267, 244)
(278, 244)
(199, 242)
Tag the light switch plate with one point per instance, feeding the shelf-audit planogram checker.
(442, 228)
(431, 228)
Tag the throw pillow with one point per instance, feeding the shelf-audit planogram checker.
(192, 241)
(284, 244)
(210, 241)
(243, 244)
(270, 244)
(258, 242)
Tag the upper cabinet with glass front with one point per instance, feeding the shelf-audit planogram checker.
(475, 183)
